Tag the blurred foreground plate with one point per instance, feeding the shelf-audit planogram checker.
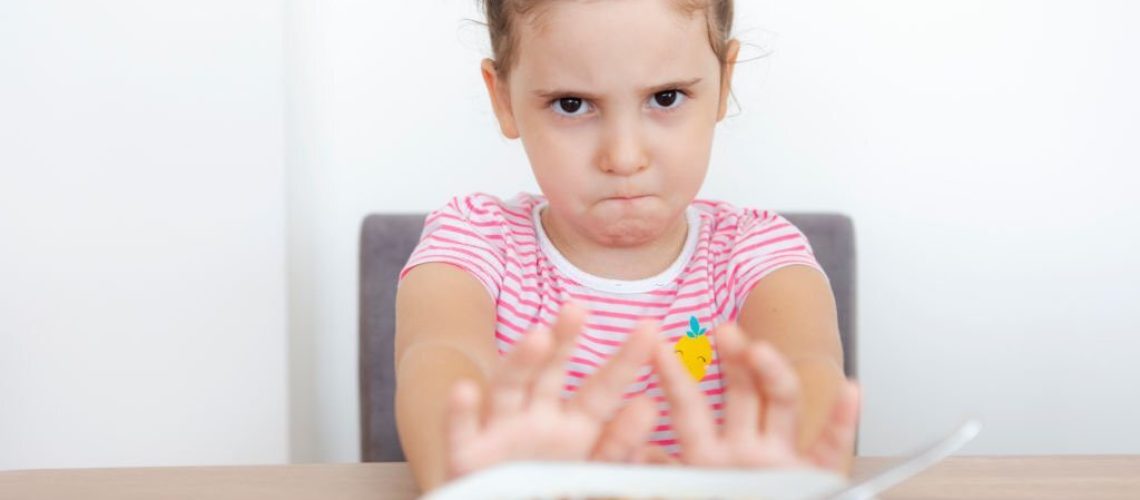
(608, 480)
(598, 480)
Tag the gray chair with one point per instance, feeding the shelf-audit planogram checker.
(387, 240)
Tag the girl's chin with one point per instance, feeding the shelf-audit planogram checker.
(630, 229)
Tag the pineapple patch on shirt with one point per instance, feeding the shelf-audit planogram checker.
(694, 350)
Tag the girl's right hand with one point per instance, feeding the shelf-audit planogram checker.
(524, 416)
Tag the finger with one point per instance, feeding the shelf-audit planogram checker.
(691, 419)
(837, 441)
(742, 400)
(780, 388)
(552, 375)
(653, 454)
(462, 424)
(601, 393)
(511, 383)
(627, 432)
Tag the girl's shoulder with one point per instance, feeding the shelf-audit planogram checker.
(490, 211)
(478, 232)
(491, 221)
(748, 244)
(730, 223)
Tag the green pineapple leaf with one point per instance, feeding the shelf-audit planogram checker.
(695, 329)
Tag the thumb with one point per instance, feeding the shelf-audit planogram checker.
(462, 426)
(836, 444)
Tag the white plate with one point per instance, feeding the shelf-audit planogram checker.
(580, 480)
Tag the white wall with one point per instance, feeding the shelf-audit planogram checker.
(986, 149)
(142, 235)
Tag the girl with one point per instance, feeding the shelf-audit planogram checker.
(615, 317)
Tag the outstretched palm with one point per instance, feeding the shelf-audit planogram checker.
(524, 416)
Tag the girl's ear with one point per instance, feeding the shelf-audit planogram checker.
(500, 99)
(730, 53)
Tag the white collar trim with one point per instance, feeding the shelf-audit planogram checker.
(651, 283)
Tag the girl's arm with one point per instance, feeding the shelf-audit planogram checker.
(445, 323)
(794, 310)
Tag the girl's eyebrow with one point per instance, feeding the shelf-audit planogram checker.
(557, 93)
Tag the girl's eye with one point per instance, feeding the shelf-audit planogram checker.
(576, 106)
(667, 99)
(570, 106)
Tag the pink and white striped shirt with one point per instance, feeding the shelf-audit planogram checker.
(727, 250)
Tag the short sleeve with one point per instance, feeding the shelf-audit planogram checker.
(463, 234)
(765, 242)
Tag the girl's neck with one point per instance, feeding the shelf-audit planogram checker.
(619, 263)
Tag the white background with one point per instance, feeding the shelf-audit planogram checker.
(182, 187)
(142, 233)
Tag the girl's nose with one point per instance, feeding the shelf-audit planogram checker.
(624, 149)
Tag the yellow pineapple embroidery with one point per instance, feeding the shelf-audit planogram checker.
(694, 349)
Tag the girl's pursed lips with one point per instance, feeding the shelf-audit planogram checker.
(628, 197)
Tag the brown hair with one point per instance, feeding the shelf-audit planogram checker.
(502, 14)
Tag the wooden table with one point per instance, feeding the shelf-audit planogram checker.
(1066, 477)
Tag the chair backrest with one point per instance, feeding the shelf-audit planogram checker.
(387, 240)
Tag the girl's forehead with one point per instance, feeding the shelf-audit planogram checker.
(593, 40)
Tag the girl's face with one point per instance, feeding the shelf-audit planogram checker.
(615, 102)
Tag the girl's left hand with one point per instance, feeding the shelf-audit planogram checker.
(761, 412)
